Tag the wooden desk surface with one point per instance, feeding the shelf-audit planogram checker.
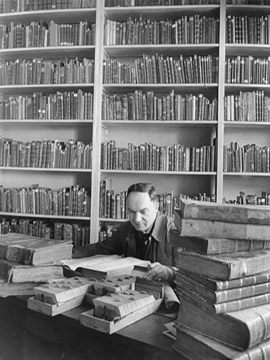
(142, 340)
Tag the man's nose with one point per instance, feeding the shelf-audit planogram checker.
(137, 217)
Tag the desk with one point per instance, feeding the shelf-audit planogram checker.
(63, 338)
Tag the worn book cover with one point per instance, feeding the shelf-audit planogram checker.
(218, 285)
(16, 289)
(241, 329)
(193, 345)
(223, 307)
(224, 266)
(122, 266)
(221, 229)
(211, 245)
(31, 250)
(19, 273)
(214, 297)
(212, 211)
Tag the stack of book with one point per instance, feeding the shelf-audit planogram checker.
(223, 282)
(26, 261)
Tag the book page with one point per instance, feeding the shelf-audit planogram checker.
(88, 262)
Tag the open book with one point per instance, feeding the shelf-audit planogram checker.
(101, 266)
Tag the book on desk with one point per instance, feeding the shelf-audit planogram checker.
(223, 280)
(26, 261)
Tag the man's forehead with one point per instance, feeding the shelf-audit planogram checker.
(139, 199)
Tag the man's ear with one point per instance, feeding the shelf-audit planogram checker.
(156, 205)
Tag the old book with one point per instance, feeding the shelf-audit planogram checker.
(31, 250)
(73, 267)
(221, 229)
(204, 245)
(118, 305)
(197, 346)
(242, 214)
(113, 285)
(61, 290)
(214, 296)
(218, 285)
(224, 266)
(19, 273)
(222, 307)
(16, 289)
(122, 266)
(241, 329)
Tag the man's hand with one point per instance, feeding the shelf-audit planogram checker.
(80, 252)
(159, 272)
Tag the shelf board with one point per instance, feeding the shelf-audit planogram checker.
(167, 173)
(25, 89)
(160, 12)
(183, 123)
(55, 217)
(247, 87)
(149, 49)
(10, 168)
(112, 220)
(247, 49)
(160, 88)
(58, 15)
(245, 124)
(246, 9)
(253, 174)
(46, 122)
(50, 52)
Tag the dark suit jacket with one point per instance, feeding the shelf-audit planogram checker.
(123, 242)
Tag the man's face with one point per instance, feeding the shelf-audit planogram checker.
(141, 210)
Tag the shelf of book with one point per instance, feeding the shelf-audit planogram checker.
(246, 94)
(46, 92)
(165, 77)
(138, 108)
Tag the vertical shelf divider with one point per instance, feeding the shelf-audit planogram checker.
(221, 92)
(97, 127)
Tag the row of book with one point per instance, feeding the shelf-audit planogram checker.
(40, 34)
(248, 29)
(42, 71)
(246, 158)
(247, 70)
(148, 105)
(251, 199)
(248, 2)
(193, 29)
(54, 106)
(223, 281)
(151, 157)
(39, 200)
(113, 205)
(12, 6)
(247, 106)
(45, 153)
(159, 69)
(78, 233)
(130, 3)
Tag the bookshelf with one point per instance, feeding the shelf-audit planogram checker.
(157, 84)
(46, 127)
(246, 125)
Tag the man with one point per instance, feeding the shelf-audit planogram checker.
(144, 236)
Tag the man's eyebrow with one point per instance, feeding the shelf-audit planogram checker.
(138, 210)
